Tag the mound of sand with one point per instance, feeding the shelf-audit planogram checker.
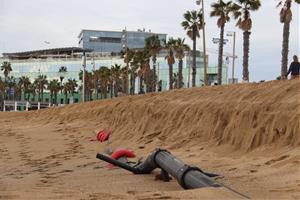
(243, 116)
(250, 133)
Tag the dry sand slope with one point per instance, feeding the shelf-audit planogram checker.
(248, 133)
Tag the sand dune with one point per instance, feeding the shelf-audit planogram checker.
(248, 133)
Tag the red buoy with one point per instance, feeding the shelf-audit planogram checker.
(121, 153)
(103, 135)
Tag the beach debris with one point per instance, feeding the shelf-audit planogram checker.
(103, 135)
(121, 155)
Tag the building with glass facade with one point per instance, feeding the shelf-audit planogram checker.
(114, 41)
(49, 65)
(101, 49)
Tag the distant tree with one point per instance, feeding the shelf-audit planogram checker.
(105, 80)
(170, 46)
(285, 18)
(192, 24)
(32, 88)
(6, 68)
(89, 83)
(153, 45)
(242, 14)
(72, 86)
(54, 87)
(62, 71)
(116, 75)
(144, 68)
(222, 10)
(11, 83)
(2, 89)
(180, 48)
(25, 82)
(128, 55)
(41, 82)
(66, 89)
(134, 72)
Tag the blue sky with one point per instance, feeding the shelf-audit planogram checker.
(25, 25)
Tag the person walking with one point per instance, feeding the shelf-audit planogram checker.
(294, 68)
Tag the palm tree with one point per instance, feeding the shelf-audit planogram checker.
(124, 75)
(105, 80)
(152, 44)
(192, 24)
(133, 72)
(89, 83)
(222, 10)
(2, 90)
(11, 83)
(244, 22)
(116, 74)
(18, 91)
(6, 68)
(66, 89)
(144, 68)
(127, 59)
(62, 71)
(54, 87)
(73, 85)
(180, 48)
(41, 82)
(25, 82)
(170, 45)
(285, 18)
(69, 87)
(32, 90)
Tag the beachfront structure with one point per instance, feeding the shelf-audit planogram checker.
(114, 41)
(47, 62)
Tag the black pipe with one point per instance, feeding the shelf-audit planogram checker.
(187, 176)
(116, 162)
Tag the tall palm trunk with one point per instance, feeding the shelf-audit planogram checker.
(194, 60)
(42, 95)
(285, 49)
(28, 96)
(170, 76)
(39, 95)
(141, 85)
(111, 90)
(220, 59)
(132, 84)
(180, 64)
(51, 98)
(55, 98)
(154, 74)
(116, 88)
(246, 56)
(126, 78)
(24, 94)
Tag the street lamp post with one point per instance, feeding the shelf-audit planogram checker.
(232, 34)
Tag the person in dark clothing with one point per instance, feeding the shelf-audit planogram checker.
(294, 68)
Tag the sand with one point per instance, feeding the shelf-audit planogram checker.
(248, 133)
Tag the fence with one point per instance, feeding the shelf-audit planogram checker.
(24, 105)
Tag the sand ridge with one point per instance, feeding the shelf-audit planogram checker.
(248, 133)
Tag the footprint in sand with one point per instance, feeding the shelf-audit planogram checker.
(3, 196)
(276, 160)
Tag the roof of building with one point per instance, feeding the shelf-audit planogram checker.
(138, 31)
(44, 52)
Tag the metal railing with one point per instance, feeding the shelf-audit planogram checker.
(26, 105)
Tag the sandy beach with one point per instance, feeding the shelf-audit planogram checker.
(248, 133)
